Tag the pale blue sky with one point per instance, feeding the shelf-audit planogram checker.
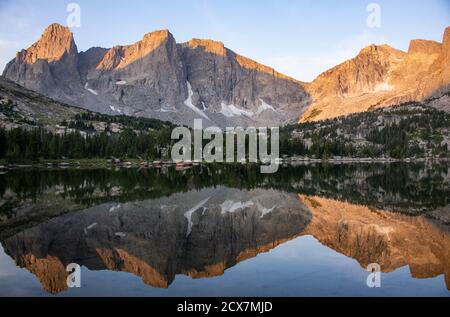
(301, 38)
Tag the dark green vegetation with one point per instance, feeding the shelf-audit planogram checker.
(409, 188)
(19, 145)
(87, 119)
(406, 131)
(34, 127)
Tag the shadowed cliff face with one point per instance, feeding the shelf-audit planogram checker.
(373, 236)
(140, 79)
(199, 234)
(225, 82)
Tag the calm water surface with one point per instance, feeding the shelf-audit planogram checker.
(227, 231)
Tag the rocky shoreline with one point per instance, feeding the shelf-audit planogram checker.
(100, 163)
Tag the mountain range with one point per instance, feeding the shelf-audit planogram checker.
(157, 77)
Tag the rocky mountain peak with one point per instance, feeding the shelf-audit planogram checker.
(210, 46)
(157, 36)
(55, 42)
(48, 64)
(56, 29)
(379, 52)
(438, 81)
(372, 48)
(424, 47)
(446, 40)
(365, 73)
(381, 76)
(121, 56)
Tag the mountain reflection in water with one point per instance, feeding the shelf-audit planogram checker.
(159, 224)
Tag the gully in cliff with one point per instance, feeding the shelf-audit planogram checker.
(256, 139)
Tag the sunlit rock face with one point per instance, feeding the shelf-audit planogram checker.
(156, 77)
(439, 80)
(50, 65)
(382, 76)
(376, 236)
(198, 233)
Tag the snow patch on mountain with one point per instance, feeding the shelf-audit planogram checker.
(264, 211)
(188, 215)
(92, 91)
(264, 106)
(230, 206)
(385, 86)
(188, 102)
(115, 109)
(167, 109)
(233, 111)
